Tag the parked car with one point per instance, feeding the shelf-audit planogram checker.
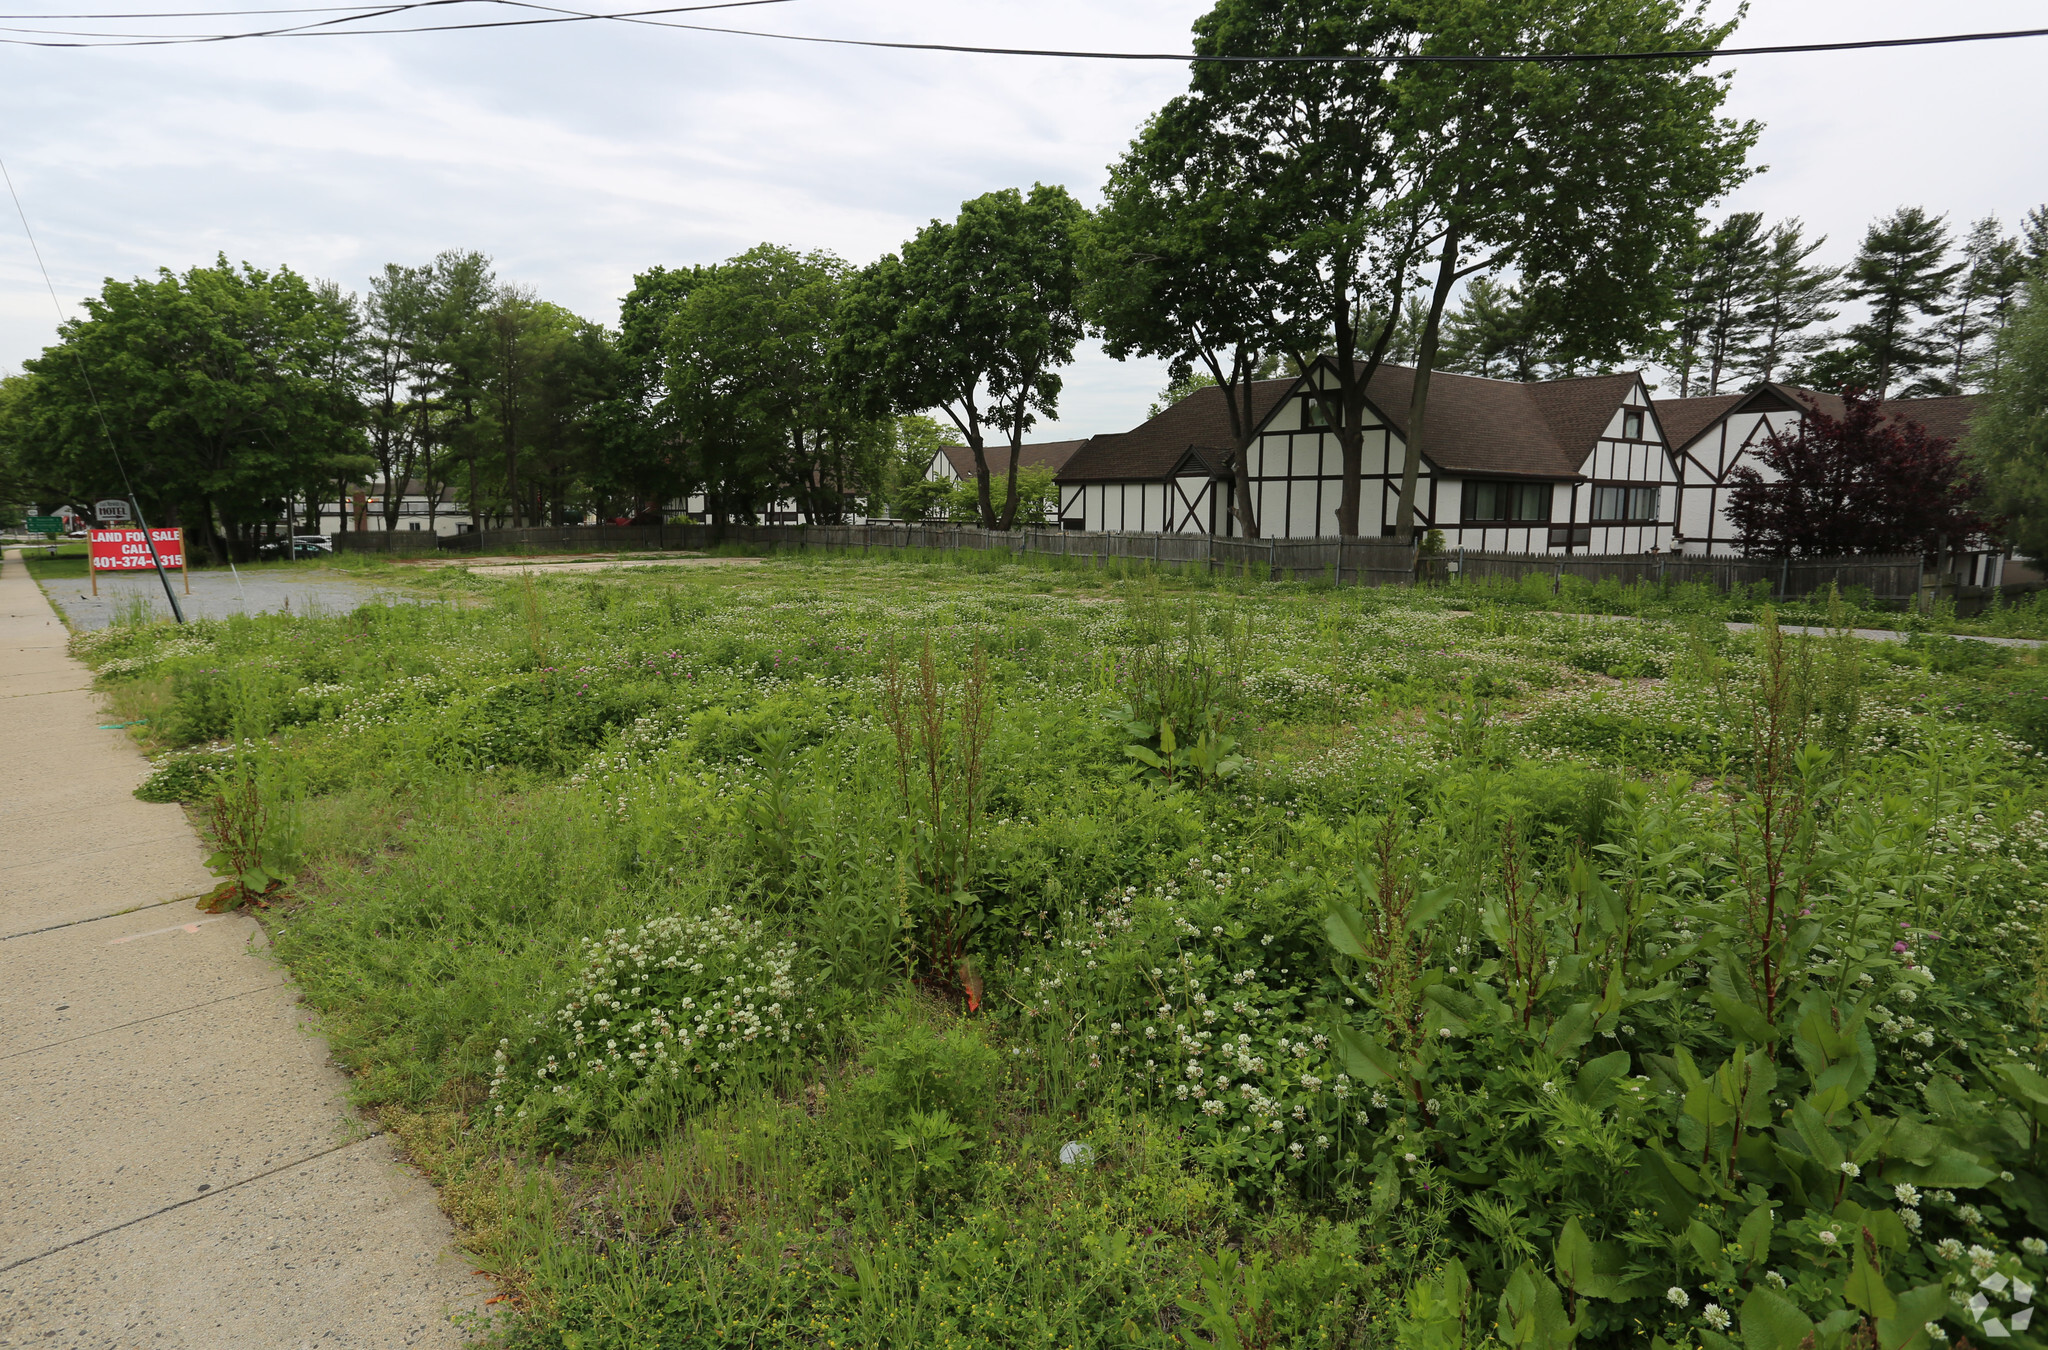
(300, 545)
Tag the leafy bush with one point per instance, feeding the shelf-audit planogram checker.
(926, 1094)
(184, 777)
(679, 1012)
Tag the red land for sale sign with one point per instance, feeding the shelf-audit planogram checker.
(128, 550)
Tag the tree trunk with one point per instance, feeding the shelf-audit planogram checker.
(983, 503)
(1009, 518)
(1350, 445)
(1418, 398)
(1241, 495)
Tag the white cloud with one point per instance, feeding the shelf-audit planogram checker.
(578, 155)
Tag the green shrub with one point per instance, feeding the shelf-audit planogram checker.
(184, 777)
(684, 1010)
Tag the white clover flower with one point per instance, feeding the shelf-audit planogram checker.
(1774, 1279)
(1948, 1249)
(1827, 1237)
(1982, 1258)
(1677, 1297)
(1715, 1316)
(1910, 1218)
(1907, 1192)
(1410, 1157)
(1935, 1333)
(1970, 1214)
(1851, 1170)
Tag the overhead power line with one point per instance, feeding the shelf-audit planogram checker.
(332, 28)
(1415, 58)
(352, 15)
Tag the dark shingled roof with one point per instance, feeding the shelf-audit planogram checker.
(1475, 425)
(1687, 419)
(1150, 452)
(1684, 419)
(1043, 455)
(1946, 417)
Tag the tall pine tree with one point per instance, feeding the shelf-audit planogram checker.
(1902, 272)
(1492, 333)
(1980, 306)
(1792, 296)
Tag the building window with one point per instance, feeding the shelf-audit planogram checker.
(1506, 503)
(1632, 424)
(1625, 505)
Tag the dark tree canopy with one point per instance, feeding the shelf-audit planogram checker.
(227, 390)
(974, 318)
(1868, 481)
(2008, 438)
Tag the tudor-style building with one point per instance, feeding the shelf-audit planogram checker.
(955, 463)
(1711, 437)
(1565, 465)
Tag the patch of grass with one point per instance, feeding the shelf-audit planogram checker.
(737, 991)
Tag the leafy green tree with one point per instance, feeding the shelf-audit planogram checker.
(917, 440)
(642, 459)
(2034, 237)
(394, 348)
(1515, 166)
(2008, 437)
(974, 318)
(1319, 245)
(229, 391)
(756, 334)
(1376, 171)
(464, 287)
(1903, 275)
(1180, 266)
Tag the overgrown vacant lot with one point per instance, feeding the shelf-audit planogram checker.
(888, 954)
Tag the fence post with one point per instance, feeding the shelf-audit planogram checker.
(1272, 557)
(1785, 578)
(1557, 582)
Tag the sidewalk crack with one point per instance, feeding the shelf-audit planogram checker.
(191, 1200)
(153, 1017)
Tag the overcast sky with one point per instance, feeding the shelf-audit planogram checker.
(577, 155)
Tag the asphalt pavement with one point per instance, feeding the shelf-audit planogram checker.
(179, 1167)
(304, 587)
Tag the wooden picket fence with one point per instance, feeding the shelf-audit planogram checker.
(1886, 579)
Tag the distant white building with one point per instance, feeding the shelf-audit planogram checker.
(364, 510)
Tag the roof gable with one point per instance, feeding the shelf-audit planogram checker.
(1686, 420)
(1041, 455)
(1152, 451)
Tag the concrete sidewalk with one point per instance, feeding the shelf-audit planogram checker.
(178, 1167)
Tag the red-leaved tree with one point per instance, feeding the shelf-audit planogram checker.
(1868, 481)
